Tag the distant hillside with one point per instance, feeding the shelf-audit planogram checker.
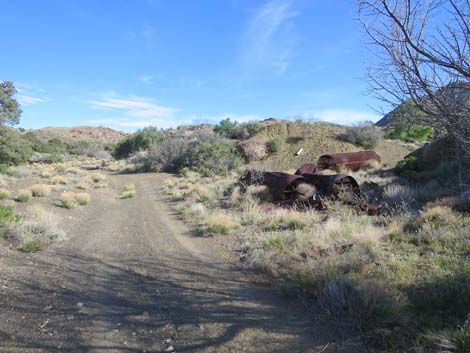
(78, 133)
(405, 113)
(316, 139)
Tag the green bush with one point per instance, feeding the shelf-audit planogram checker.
(226, 128)
(141, 140)
(202, 152)
(233, 130)
(276, 144)
(365, 134)
(7, 215)
(411, 133)
(296, 224)
(57, 146)
(218, 229)
(168, 155)
(14, 149)
(33, 246)
(37, 145)
(213, 157)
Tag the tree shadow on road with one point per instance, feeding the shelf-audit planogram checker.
(78, 303)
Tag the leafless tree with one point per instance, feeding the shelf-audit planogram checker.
(422, 52)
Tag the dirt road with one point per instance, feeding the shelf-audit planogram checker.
(131, 278)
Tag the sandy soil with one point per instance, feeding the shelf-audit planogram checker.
(132, 278)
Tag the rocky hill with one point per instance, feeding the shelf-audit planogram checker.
(90, 133)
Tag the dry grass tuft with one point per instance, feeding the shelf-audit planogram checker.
(83, 185)
(82, 198)
(4, 194)
(68, 200)
(23, 195)
(129, 191)
(34, 230)
(221, 223)
(437, 216)
(45, 174)
(75, 171)
(59, 180)
(8, 203)
(40, 190)
(98, 177)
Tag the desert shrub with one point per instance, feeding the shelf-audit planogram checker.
(57, 146)
(75, 171)
(140, 140)
(296, 224)
(233, 130)
(4, 194)
(40, 190)
(23, 195)
(37, 145)
(247, 130)
(34, 230)
(19, 172)
(437, 216)
(33, 246)
(45, 174)
(60, 168)
(217, 157)
(7, 215)
(58, 179)
(129, 191)
(365, 134)
(226, 128)
(168, 155)
(82, 198)
(14, 149)
(98, 177)
(276, 144)
(83, 185)
(220, 223)
(411, 133)
(68, 200)
(275, 243)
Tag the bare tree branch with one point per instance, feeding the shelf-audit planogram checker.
(423, 54)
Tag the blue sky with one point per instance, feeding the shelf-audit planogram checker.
(133, 63)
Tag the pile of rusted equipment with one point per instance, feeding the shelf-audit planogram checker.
(311, 186)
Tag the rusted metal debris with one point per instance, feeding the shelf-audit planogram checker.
(309, 188)
(307, 168)
(40, 161)
(352, 160)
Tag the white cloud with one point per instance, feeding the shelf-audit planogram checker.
(340, 116)
(28, 94)
(243, 118)
(134, 106)
(269, 37)
(146, 79)
(26, 99)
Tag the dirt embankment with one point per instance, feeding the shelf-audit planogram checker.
(316, 139)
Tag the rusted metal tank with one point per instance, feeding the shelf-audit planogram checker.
(352, 160)
(281, 184)
(307, 168)
(309, 190)
(284, 186)
(333, 185)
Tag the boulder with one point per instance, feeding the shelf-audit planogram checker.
(254, 150)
